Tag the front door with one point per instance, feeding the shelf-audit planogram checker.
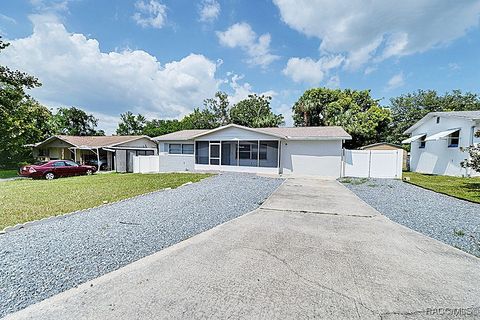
(130, 155)
(214, 153)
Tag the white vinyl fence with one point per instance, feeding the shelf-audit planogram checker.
(372, 163)
(146, 164)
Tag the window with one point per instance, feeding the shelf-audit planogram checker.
(201, 156)
(248, 150)
(422, 142)
(43, 152)
(59, 164)
(178, 148)
(145, 153)
(438, 120)
(268, 154)
(187, 148)
(175, 148)
(229, 153)
(453, 139)
(248, 153)
(71, 164)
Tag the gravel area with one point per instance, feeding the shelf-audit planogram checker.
(43, 260)
(450, 220)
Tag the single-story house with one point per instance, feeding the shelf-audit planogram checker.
(300, 150)
(387, 146)
(437, 141)
(112, 152)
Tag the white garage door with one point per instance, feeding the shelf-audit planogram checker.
(313, 158)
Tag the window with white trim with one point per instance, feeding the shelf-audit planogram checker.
(187, 148)
(180, 148)
(454, 139)
(422, 142)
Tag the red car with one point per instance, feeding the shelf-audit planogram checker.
(56, 168)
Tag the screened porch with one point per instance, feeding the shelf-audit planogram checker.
(237, 153)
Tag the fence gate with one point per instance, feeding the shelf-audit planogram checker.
(372, 163)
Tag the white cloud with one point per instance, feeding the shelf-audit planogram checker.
(333, 82)
(209, 10)
(257, 48)
(50, 5)
(242, 90)
(7, 19)
(310, 71)
(286, 111)
(379, 29)
(396, 81)
(74, 71)
(454, 66)
(150, 14)
(369, 70)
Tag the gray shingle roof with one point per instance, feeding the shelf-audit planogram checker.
(180, 135)
(474, 115)
(290, 133)
(94, 141)
(308, 132)
(469, 115)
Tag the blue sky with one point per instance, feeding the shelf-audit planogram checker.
(162, 58)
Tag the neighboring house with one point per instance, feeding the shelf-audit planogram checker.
(437, 141)
(300, 151)
(387, 146)
(116, 151)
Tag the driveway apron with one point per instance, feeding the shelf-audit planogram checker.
(312, 250)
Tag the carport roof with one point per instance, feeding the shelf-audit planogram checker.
(93, 141)
(288, 133)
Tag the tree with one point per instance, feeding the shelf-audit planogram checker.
(22, 119)
(408, 108)
(255, 112)
(219, 107)
(131, 124)
(474, 153)
(200, 119)
(356, 111)
(158, 127)
(75, 122)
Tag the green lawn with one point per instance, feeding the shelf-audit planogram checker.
(7, 173)
(464, 188)
(27, 200)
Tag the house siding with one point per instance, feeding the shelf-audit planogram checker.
(437, 157)
(121, 161)
(236, 134)
(138, 143)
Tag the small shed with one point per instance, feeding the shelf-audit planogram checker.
(387, 146)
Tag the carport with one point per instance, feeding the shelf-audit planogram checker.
(108, 152)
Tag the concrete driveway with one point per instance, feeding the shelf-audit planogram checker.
(313, 250)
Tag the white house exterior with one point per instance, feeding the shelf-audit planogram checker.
(291, 151)
(437, 141)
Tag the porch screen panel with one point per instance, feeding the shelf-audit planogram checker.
(201, 152)
(248, 153)
(229, 153)
(268, 154)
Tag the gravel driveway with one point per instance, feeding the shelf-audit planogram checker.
(42, 260)
(450, 220)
